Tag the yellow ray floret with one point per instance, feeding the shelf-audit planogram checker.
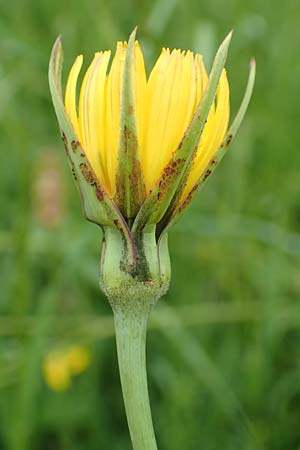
(164, 105)
(213, 134)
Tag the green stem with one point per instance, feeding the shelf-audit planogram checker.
(131, 327)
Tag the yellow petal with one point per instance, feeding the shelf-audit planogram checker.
(92, 113)
(70, 94)
(213, 134)
(222, 113)
(171, 94)
(140, 90)
(154, 112)
(164, 108)
(113, 104)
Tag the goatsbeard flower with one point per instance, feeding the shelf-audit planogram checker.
(164, 106)
(139, 148)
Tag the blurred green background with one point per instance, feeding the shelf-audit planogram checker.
(223, 345)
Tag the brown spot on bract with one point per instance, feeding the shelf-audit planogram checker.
(118, 226)
(87, 173)
(99, 194)
(131, 137)
(229, 139)
(64, 138)
(90, 178)
(206, 174)
(74, 146)
(171, 169)
(178, 162)
(189, 197)
(136, 183)
(130, 109)
(65, 141)
(180, 145)
(74, 174)
(162, 184)
(168, 171)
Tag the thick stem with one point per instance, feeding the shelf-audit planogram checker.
(131, 327)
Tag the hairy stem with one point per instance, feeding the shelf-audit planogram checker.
(131, 327)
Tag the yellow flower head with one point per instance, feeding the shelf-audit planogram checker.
(144, 144)
(140, 146)
(165, 103)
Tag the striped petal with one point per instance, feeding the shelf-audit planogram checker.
(213, 134)
(113, 103)
(92, 113)
(171, 101)
(70, 95)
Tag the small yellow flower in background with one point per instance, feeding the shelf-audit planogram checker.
(59, 366)
(56, 372)
(79, 359)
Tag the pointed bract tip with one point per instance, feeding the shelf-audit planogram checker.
(58, 42)
(252, 63)
(56, 49)
(221, 55)
(132, 36)
(252, 72)
(223, 49)
(228, 37)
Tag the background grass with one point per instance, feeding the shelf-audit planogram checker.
(223, 348)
